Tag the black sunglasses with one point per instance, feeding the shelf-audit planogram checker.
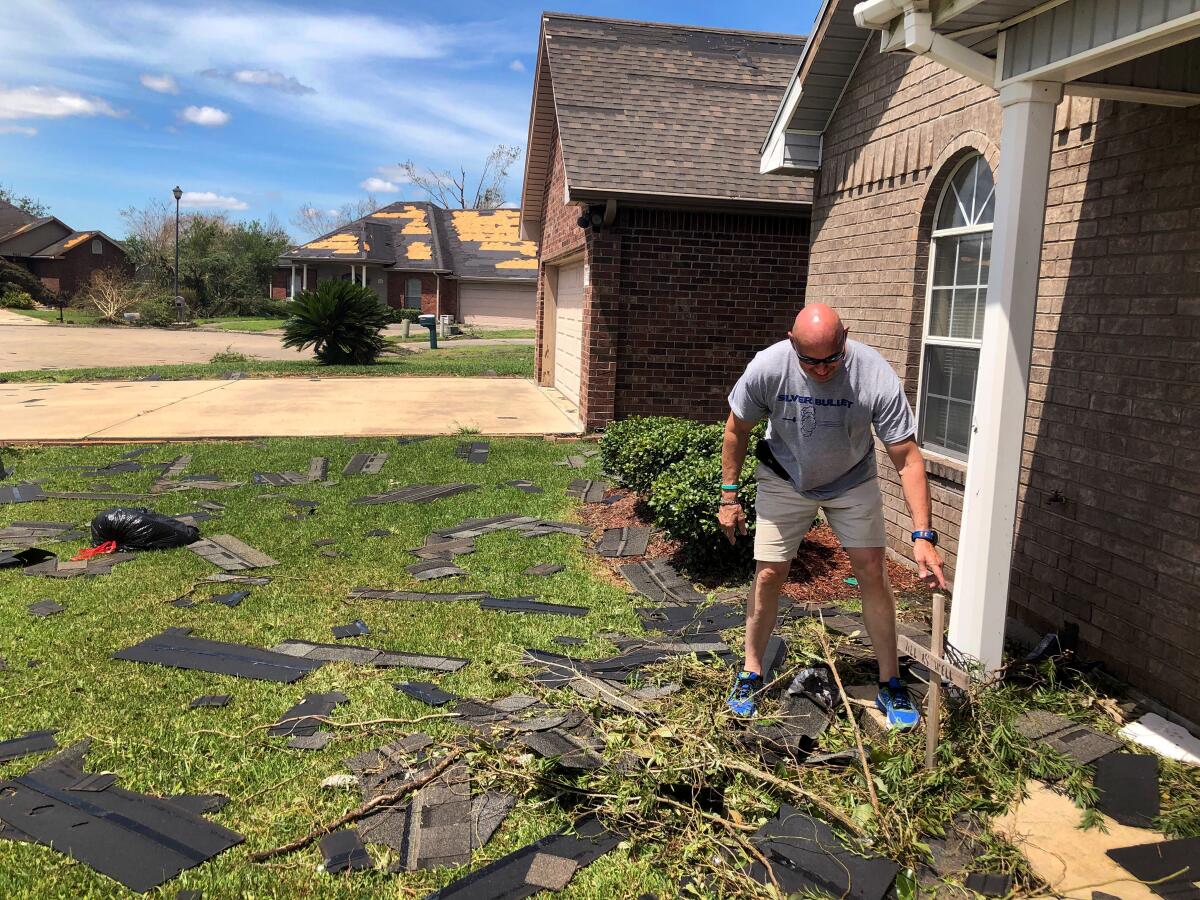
(826, 361)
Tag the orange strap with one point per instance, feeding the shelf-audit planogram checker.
(91, 552)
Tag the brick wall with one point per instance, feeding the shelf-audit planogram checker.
(449, 297)
(397, 284)
(680, 303)
(74, 269)
(1108, 533)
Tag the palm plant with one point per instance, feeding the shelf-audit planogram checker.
(341, 321)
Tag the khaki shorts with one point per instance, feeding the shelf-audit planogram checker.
(785, 515)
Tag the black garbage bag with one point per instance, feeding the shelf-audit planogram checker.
(137, 528)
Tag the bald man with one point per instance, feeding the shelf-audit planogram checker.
(822, 394)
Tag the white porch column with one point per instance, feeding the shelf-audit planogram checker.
(292, 284)
(304, 277)
(985, 540)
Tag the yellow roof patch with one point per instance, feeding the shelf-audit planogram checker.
(491, 225)
(344, 242)
(75, 241)
(418, 222)
(523, 262)
(419, 250)
(525, 248)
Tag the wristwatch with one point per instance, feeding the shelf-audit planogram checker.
(926, 534)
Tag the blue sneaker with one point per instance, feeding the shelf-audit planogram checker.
(744, 694)
(893, 700)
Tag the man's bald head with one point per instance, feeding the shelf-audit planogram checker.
(818, 331)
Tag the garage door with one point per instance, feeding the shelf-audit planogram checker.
(498, 305)
(568, 336)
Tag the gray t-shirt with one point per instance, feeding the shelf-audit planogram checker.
(821, 432)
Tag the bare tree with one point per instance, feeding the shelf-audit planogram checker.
(313, 221)
(112, 293)
(451, 191)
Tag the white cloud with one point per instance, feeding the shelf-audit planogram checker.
(18, 129)
(375, 185)
(208, 116)
(48, 102)
(162, 84)
(261, 78)
(210, 200)
(517, 66)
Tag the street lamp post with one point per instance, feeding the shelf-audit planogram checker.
(177, 194)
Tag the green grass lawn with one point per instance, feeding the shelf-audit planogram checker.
(239, 323)
(422, 334)
(71, 315)
(138, 717)
(507, 361)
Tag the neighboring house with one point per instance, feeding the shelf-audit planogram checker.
(64, 259)
(469, 264)
(691, 260)
(1074, 384)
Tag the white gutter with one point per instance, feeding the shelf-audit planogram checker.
(914, 32)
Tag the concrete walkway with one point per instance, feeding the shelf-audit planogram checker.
(83, 347)
(8, 317)
(280, 407)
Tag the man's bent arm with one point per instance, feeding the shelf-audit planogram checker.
(733, 448)
(910, 464)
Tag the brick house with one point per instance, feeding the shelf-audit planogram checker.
(988, 136)
(64, 259)
(469, 264)
(686, 257)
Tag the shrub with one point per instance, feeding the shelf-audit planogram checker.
(112, 293)
(341, 321)
(14, 298)
(158, 311)
(641, 448)
(685, 499)
(251, 307)
(402, 315)
(20, 278)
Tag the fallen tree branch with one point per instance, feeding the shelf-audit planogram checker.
(413, 784)
(798, 792)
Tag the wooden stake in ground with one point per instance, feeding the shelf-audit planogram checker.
(933, 711)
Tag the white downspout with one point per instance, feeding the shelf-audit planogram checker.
(292, 284)
(304, 276)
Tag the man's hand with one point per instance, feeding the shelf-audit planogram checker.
(929, 564)
(732, 520)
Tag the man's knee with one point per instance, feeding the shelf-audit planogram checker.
(868, 563)
(772, 574)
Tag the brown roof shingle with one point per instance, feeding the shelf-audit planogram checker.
(668, 110)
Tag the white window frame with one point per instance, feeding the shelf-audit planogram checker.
(931, 268)
(97, 247)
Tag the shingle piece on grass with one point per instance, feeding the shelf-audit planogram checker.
(989, 884)
(1128, 788)
(318, 469)
(1081, 744)
(136, 839)
(32, 742)
(91, 784)
(529, 605)
(343, 851)
(434, 568)
(25, 492)
(228, 553)
(573, 462)
(1175, 864)
(624, 542)
(304, 717)
(45, 608)
(396, 659)
(544, 569)
(27, 534)
(429, 694)
(215, 700)
(279, 479)
(177, 649)
(231, 600)
(527, 487)
(368, 656)
(365, 464)
(473, 451)
(570, 752)
(587, 491)
(417, 493)
(316, 741)
(657, 580)
(690, 620)
(444, 548)
(355, 629)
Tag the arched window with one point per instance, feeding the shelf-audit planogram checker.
(960, 257)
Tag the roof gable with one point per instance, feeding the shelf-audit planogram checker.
(12, 218)
(485, 243)
(658, 111)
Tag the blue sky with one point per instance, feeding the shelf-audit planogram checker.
(259, 108)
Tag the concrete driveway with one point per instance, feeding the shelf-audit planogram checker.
(280, 407)
(81, 347)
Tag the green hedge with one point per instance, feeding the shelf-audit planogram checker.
(17, 278)
(676, 465)
(15, 298)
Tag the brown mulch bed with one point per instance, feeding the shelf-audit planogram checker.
(818, 571)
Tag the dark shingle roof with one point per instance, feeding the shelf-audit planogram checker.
(668, 110)
(484, 243)
(74, 239)
(401, 234)
(12, 218)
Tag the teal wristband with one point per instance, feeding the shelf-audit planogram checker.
(730, 487)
